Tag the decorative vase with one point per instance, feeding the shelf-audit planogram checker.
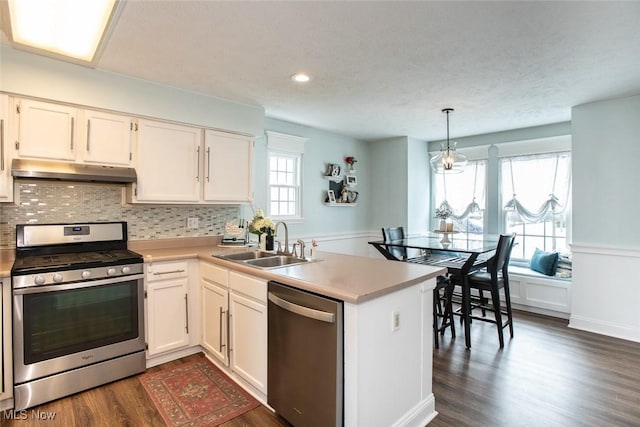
(263, 242)
(269, 242)
(443, 225)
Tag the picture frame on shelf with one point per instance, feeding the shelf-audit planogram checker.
(351, 180)
(331, 196)
(333, 170)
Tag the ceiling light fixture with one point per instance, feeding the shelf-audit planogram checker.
(301, 78)
(448, 160)
(70, 28)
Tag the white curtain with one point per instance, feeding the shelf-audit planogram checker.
(464, 193)
(540, 185)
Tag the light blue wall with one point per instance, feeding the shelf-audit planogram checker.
(523, 134)
(321, 148)
(37, 76)
(418, 184)
(389, 183)
(605, 156)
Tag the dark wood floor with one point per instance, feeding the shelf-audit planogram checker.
(547, 375)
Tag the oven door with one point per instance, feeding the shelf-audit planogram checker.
(61, 327)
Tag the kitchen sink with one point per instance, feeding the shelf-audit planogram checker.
(249, 255)
(264, 260)
(275, 261)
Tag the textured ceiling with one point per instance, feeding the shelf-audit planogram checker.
(383, 69)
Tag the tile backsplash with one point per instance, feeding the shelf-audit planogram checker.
(42, 202)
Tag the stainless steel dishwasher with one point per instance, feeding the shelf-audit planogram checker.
(305, 364)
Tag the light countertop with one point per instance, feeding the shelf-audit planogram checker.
(353, 279)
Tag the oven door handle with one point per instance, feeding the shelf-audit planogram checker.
(75, 285)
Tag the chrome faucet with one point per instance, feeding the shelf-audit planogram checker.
(301, 243)
(286, 238)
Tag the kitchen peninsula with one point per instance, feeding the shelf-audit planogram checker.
(387, 325)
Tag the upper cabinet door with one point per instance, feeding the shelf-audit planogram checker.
(6, 187)
(228, 166)
(168, 162)
(45, 131)
(106, 138)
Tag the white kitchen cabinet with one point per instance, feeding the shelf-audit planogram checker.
(6, 365)
(105, 138)
(248, 329)
(167, 306)
(167, 158)
(58, 132)
(45, 130)
(215, 303)
(234, 329)
(6, 182)
(228, 166)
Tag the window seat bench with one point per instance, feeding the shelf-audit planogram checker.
(538, 293)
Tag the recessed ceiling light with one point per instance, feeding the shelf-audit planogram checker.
(301, 77)
(72, 28)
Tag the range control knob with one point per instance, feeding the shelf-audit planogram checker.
(86, 274)
(126, 270)
(111, 272)
(57, 277)
(39, 280)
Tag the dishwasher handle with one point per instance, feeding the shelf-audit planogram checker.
(311, 313)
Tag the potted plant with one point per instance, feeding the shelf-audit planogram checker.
(263, 226)
(443, 213)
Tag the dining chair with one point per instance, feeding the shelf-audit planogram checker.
(395, 233)
(442, 293)
(491, 279)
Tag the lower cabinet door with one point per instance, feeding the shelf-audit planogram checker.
(248, 329)
(167, 313)
(214, 320)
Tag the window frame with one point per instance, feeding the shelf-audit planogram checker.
(290, 147)
(521, 236)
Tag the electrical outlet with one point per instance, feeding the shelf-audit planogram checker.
(395, 321)
(192, 222)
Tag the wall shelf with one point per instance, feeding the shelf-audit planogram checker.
(333, 178)
(350, 205)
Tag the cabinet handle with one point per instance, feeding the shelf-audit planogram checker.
(160, 273)
(208, 163)
(88, 134)
(229, 349)
(220, 345)
(1, 145)
(186, 311)
(198, 164)
(73, 125)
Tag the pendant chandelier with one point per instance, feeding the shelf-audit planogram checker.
(448, 160)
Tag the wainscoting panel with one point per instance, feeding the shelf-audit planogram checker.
(606, 291)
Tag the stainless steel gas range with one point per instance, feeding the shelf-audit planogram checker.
(78, 309)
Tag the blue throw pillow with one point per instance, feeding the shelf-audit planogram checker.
(544, 262)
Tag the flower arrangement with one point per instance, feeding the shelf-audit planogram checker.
(443, 212)
(261, 224)
(351, 161)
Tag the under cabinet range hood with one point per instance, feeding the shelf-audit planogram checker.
(63, 171)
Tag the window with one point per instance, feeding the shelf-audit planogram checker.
(536, 200)
(285, 154)
(465, 194)
(284, 185)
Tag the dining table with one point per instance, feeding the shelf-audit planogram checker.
(460, 253)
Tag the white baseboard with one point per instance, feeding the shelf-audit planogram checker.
(168, 357)
(420, 415)
(611, 329)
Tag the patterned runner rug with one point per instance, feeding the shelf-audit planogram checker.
(196, 394)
